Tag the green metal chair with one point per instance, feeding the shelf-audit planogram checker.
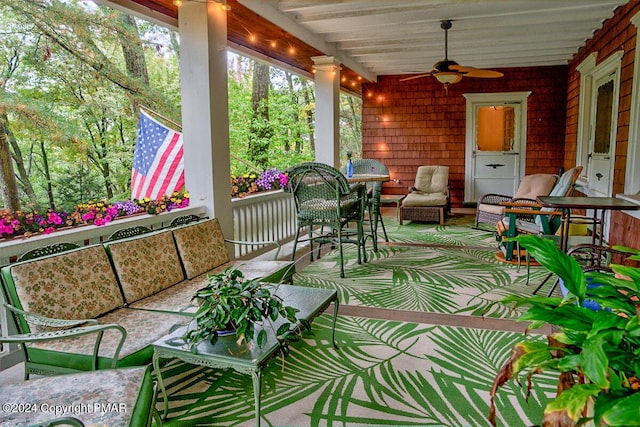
(54, 248)
(325, 205)
(374, 191)
(185, 219)
(124, 233)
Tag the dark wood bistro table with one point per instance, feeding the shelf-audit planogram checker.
(602, 204)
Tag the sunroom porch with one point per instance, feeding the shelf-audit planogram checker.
(412, 312)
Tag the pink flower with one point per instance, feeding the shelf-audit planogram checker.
(99, 221)
(6, 229)
(54, 218)
(112, 212)
(48, 230)
(86, 217)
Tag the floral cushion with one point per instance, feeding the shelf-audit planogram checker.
(143, 328)
(178, 298)
(145, 264)
(201, 246)
(108, 397)
(78, 284)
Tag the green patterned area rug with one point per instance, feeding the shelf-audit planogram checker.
(384, 373)
(450, 269)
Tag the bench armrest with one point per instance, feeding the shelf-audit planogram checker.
(39, 320)
(66, 329)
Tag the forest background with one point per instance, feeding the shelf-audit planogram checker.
(73, 76)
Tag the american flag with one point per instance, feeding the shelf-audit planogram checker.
(158, 164)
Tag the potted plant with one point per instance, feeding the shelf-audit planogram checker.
(230, 304)
(596, 353)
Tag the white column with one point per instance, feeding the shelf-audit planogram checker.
(327, 91)
(205, 117)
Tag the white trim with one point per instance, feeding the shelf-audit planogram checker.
(632, 171)
(590, 73)
(498, 97)
(585, 68)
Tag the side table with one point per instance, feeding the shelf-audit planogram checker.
(246, 358)
(386, 199)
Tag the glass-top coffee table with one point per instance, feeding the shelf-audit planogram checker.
(244, 358)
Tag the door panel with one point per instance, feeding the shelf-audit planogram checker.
(602, 140)
(496, 157)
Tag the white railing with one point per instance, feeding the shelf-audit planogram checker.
(261, 217)
(269, 216)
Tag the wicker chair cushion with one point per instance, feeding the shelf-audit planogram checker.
(492, 209)
(532, 186)
(201, 246)
(416, 199)
(432, 179)
(146, 264)
(78, 284)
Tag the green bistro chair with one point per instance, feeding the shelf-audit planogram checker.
(325, 205)
(374, 191)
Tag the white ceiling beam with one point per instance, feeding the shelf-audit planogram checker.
(268, 12)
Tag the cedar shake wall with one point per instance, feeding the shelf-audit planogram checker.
(617, 33)
(413, 123)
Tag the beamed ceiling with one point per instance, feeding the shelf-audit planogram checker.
(379, 37)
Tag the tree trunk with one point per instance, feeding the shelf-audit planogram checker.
(47, 175)
(296, 137)
(23, 174)
(8, 183)
(261, 130)
(133, 53)
(308, 99)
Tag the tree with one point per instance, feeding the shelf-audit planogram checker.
(261, 129)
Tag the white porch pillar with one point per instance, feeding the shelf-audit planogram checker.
(205, 117)
(327, 91)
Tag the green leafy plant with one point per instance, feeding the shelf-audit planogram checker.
(594, 352)
(229, 302)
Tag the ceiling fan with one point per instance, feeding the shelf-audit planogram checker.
(449, 72)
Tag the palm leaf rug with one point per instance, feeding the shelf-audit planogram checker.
(384, 373)
(448, 269)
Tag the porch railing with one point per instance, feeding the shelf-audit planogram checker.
(269, 216)
(266, 216)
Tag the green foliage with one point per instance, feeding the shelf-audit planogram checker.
(596, 353)
(230, 303)
(65, 85)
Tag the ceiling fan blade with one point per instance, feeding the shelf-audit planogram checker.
(476, 72)
(415, 77)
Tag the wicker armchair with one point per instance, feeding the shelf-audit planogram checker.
(490, 210)
(428, 200)
(325, 205)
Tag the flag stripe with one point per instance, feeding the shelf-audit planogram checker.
(158, 161)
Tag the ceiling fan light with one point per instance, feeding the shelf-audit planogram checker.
(448, 77)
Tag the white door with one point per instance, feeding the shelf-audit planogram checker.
(602, 139)
(495, 143)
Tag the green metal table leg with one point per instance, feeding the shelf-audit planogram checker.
(165, 398)
(333, 326)
(256, 377)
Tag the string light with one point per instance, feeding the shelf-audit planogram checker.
(223, 3)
